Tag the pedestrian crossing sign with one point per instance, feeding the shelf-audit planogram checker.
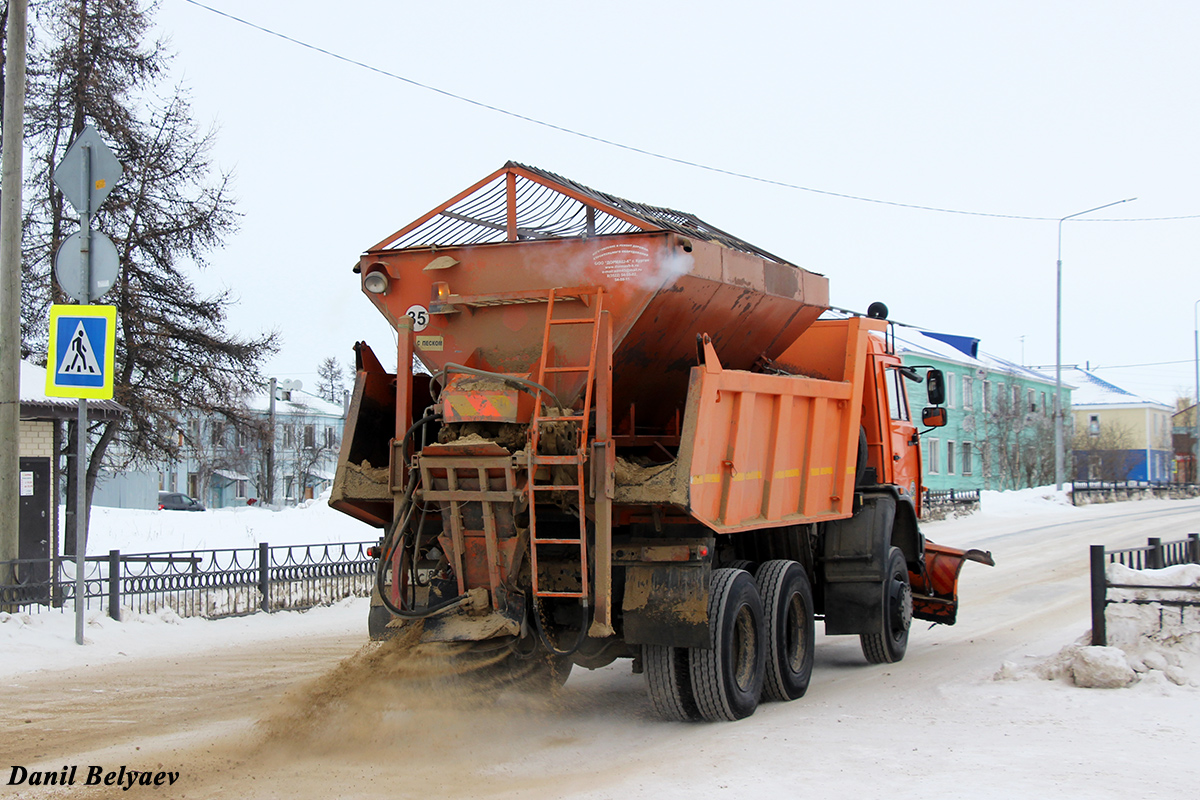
(83, 348)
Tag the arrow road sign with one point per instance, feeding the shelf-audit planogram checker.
(101, 173)
(82, 351)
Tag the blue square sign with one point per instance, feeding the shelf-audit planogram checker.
(82, 352)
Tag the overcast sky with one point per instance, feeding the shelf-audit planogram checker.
(1029, 109)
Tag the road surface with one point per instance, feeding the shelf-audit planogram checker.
(313, 718)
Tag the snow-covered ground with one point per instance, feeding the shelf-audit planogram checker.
(990, 708)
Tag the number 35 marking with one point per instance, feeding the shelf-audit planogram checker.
(420, 317)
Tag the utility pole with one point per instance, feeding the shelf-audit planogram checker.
(271, 449)
(10, 281)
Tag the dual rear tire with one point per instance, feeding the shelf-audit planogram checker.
(761, 647)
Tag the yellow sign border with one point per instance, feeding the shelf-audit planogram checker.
(103, 392)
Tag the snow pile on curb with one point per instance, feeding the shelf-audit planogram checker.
(1023, 502)
(1149, 642)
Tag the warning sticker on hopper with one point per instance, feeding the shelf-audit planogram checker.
(429, 343)
(622, 262)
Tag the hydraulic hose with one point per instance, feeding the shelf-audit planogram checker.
(394, 537)
(579, 640)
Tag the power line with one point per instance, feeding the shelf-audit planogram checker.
(650, 153)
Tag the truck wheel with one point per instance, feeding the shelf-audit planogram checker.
(727, 677)
(887, 645)
(788, 619)
(669, 683)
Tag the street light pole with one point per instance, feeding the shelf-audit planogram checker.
(1059, 450)
(1196, 404)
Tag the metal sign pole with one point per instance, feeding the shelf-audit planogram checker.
(85, 230)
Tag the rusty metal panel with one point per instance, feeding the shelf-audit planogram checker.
(487, 309)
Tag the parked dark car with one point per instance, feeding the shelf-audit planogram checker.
(178, 501)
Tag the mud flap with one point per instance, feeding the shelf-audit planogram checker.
(855, 559)
(935, 594)
(667, 604)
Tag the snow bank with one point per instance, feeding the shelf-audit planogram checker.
(1150, 642)
(1025, 502)
(141, 531)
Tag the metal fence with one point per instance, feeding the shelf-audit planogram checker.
(1157, 554)
(1088, 492)
(942, 503)
(196, 583)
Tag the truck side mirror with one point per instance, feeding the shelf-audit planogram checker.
(933, 417)
(935, 385)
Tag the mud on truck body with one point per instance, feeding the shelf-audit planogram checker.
(639, 439)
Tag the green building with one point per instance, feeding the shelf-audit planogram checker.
(1000, 424)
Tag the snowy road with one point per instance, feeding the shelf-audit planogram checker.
(232, 719)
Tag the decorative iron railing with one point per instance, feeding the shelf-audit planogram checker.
(195, 583)
(1086, 492)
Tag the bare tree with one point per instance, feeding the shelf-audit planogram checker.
(331, 380)
(174, 354)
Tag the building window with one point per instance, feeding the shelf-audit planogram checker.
(1093, 425)
(310, 436)
(1029, 399)
(1016, 391)
(987, 389)
(289, 436)
(931, 457)
(967, 467)
(968, 391)
(331, 436)
(1043, 402)
(240, 490)
(218, 434)
(950, 390)
(949, 458)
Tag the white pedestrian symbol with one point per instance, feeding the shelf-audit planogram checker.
(80, 358)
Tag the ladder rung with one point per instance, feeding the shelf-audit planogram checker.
(554, 460)
(580, 321)
(562, 594)
(556, 487)
(556, 541)
(582, 368)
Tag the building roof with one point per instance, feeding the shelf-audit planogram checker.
(300, 404)
(1093, 390)
(36, 405)
(962, 350)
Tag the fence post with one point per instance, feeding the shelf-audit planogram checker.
(1154, 558)
(114, 584)
(1194, 548)
(1099, 595)
(264, 575)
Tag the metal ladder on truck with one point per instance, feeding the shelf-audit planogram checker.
(571, 462)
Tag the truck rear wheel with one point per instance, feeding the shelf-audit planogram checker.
(888, 643)
(790, 629)
(727, 677)
(669, 682)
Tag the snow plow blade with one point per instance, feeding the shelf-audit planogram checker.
(935, 593)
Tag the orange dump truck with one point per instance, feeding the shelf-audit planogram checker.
(639, 439)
